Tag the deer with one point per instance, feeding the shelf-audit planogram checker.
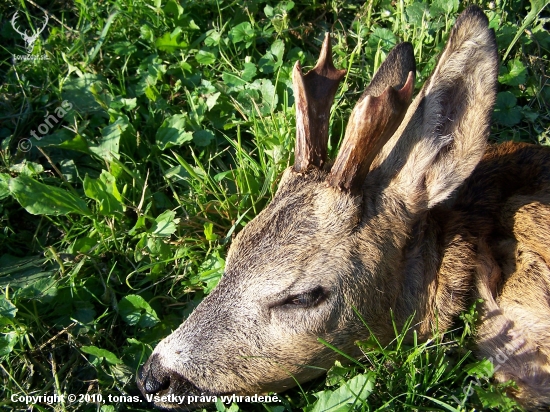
(418, 215)
(29, 40)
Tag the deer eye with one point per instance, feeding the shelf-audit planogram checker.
(305, 300)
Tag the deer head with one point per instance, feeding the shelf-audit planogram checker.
(29, 40)
(334, 237)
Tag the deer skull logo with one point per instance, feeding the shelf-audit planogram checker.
(29, 40)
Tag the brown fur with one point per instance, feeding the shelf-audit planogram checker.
(439, 221)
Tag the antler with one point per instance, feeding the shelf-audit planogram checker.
(15, 16)
(373, 121)
(44, 25)
(26, 37)
(314, 94)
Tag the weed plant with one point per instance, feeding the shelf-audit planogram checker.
(153, 132)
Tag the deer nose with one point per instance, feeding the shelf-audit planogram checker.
(152, 377)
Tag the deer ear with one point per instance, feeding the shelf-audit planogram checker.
(314, 94)
(374, 119)
(444, 133)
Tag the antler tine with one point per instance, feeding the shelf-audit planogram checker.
(314, 94)
(45, 23)
(373, 121)
(15, 16)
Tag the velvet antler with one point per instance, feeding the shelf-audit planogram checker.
(375, 119)
(314, 94)
(372, 122)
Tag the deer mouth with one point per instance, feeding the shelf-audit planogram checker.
(166, 389)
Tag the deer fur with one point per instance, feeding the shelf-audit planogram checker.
(438, 221)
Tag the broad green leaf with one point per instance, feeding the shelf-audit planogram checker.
(213, 38)
(76, 90)
(415, 13)
(28, 278)
(134, 310)
(4, 185)
(267, 63)
(232, 81)
(481, 369)
(158, 248)
(514, 75)
(212, 99)
(77, 143)
(122, 103)
(83, 245)
(353, 391)
(64, 139)
(211, 270)
(506, 112)
(281, 7)
(529, 113)
(140, 223)
(27, 168)
(495, 397)
(279, 15)
(110, 141)
(172, 132)
(209, 232)
(285, 5)
(40, 199)
(273, 59)
(135, 351)
(7, 309)
(174, 8)
(151, 71)
(279, 23)
(278, 49)
(7, 342)
(40, 286)
(102, 354)
(169, 42)
(189, 23)
(146, 33)
(246, 98)
(123, 48)
(269, 96)
(205, 57)
(83, 311)
(242, 32)
(268, 11)
(203, 137)
(449, 6)
(165, 224)
(434, 10)
(69, 309)
(382, 38)
(249, 71)
(152, 93)
(105, 192)
(336, 374)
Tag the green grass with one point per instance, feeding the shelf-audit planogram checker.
(115, 224)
